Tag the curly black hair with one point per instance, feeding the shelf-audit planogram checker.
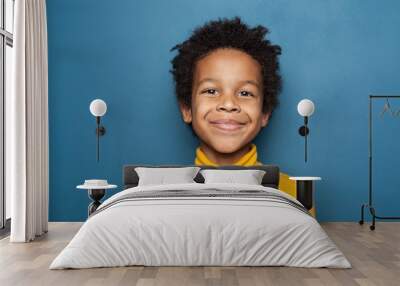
(227, 33)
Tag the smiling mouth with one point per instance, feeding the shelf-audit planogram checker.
(227, 125)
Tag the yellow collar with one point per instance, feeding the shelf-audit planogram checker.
(248, 159)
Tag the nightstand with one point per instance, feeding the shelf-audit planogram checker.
(305, 189)
(96, 190)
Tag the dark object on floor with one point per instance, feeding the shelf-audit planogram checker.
(5, 231)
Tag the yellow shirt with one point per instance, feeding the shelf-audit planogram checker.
(250, 159)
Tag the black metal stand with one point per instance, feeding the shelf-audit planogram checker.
(304, 193)
(304, 131)
(100, 131)
(369, 205)
(96, 195)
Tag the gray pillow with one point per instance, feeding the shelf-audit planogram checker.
(248, 177)
(162, 176)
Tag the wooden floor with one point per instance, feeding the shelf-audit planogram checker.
(375, 257)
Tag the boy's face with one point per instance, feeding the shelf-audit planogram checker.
(226, 111)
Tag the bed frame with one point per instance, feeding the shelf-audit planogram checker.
(271, 178)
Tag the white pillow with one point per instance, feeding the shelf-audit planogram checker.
(162, 176)
(248, 177)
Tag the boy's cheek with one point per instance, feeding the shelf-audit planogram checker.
(200, 132)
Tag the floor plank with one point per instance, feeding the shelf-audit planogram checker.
(375, 257)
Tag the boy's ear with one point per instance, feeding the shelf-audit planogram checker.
(265, 118)
(186, 113)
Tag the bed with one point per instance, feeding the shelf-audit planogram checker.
(201, 224)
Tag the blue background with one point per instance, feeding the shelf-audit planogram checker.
(334, 52)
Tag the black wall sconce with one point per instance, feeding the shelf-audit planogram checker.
(306, 109)
(98, 108)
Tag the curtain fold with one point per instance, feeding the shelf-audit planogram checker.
(27, 123)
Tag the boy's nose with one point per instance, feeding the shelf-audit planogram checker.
(228, 104)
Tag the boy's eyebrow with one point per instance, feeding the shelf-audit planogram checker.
(206, 79)
(252, 82)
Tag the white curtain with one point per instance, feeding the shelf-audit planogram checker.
(27, 124)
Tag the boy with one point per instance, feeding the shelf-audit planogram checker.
(227, 82)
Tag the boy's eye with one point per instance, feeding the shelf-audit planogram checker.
(210, 91)
(245, 93)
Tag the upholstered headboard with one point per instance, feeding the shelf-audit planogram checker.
(270, 179)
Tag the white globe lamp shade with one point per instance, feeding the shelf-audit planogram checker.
(305, 107)
(98, 107)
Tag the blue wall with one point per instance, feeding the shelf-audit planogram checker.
(335, 52)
